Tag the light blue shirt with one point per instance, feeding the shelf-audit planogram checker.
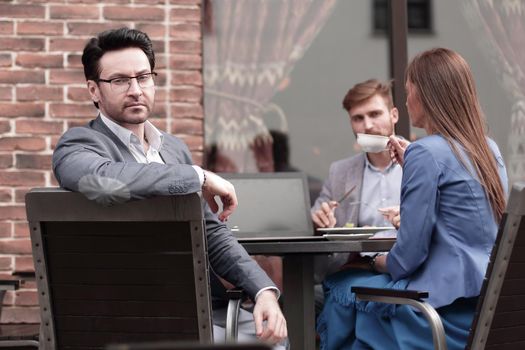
(447, 228)
(380, 189)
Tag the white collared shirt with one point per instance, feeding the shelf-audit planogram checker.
(132, 142)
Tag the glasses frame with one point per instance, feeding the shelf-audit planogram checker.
(110, 81)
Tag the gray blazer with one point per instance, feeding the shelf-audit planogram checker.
(92, 160)
(343, 175)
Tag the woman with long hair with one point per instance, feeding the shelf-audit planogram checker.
(453, 195)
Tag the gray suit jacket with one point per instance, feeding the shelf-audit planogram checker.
(93, 160)
(343, 175)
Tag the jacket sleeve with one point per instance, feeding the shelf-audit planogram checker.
(88, 162)
(419, 206)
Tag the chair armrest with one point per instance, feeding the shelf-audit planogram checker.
(396, 293)
(407, 297)
(235, 297)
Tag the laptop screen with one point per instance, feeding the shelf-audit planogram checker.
(271, 205)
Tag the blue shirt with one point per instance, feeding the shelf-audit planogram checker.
(448, 227)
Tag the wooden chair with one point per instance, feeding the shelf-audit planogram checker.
(499, 322)
(133, 272)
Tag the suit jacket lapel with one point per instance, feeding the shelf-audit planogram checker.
(99, 126)
(354, 177)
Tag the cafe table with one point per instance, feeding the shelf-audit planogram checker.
(298, 278)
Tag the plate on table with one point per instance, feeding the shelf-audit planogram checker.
(346, 236)
(353, 230)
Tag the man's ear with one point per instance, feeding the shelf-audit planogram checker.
(394, 113)
(94, 91)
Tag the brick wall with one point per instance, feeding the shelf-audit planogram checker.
(42, 93)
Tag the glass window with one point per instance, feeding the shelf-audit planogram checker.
(275, 74)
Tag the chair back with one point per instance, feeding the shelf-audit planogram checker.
(132, 272)
(499, 322)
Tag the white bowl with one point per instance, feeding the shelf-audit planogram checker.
(372, 143)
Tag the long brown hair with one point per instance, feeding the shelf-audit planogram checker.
(446, 89)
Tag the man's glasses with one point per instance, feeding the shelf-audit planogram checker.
(122, 84)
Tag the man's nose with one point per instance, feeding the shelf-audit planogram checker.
(368, 123)
(134, 87)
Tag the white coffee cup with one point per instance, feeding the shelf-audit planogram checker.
(372, 143)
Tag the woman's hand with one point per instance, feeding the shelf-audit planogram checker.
(392, 214)
(397, 149)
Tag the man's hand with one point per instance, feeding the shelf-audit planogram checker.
(397, 149)
(267, 309)
(324, 216)
(217, 186)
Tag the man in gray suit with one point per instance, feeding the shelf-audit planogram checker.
(121, 156)
(375, 179)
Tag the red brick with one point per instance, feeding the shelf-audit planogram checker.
(186, 94)
(39, 93)
(197, 157)
(5, 229)
(121, 13)
(6, 94)
(33, 161)
(78, 94)
(98, 1)
(152, 29)
(21, 178)
(22, 77)
(6, 27)
(20, 315)
(15, 246)
(185, 2)
(159, 111)
(150, 2)
(161, 61)
(40, 28)
(26, 298)
(187, 126)
(67, 44)
(6, 195)
(12, 212)
(22, 109)
(6, 161)
(179, 46)
(22, 144)
(74, 12)
(53, 181)
(180, 61)
(185, 14)
(34, 60)
(40, 127)
(9, 298)
(6, 60)
(20, 197)
(179, 110)
(22, 44)
(54, 140)
(6, 263)
(64, 110)
(194, 142)
(22, 11)
(21, 230)
(185, 31)
(63, 76)
(186, 78)
(74, 61)
(24, 263)
(161, 95)
(92, 29)
(71, 123)
(158, 45)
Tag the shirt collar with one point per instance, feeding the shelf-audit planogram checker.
(370, 166)
(152, 134)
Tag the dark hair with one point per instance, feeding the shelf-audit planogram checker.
(445, 86)
(365, 90)
(112, 40)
